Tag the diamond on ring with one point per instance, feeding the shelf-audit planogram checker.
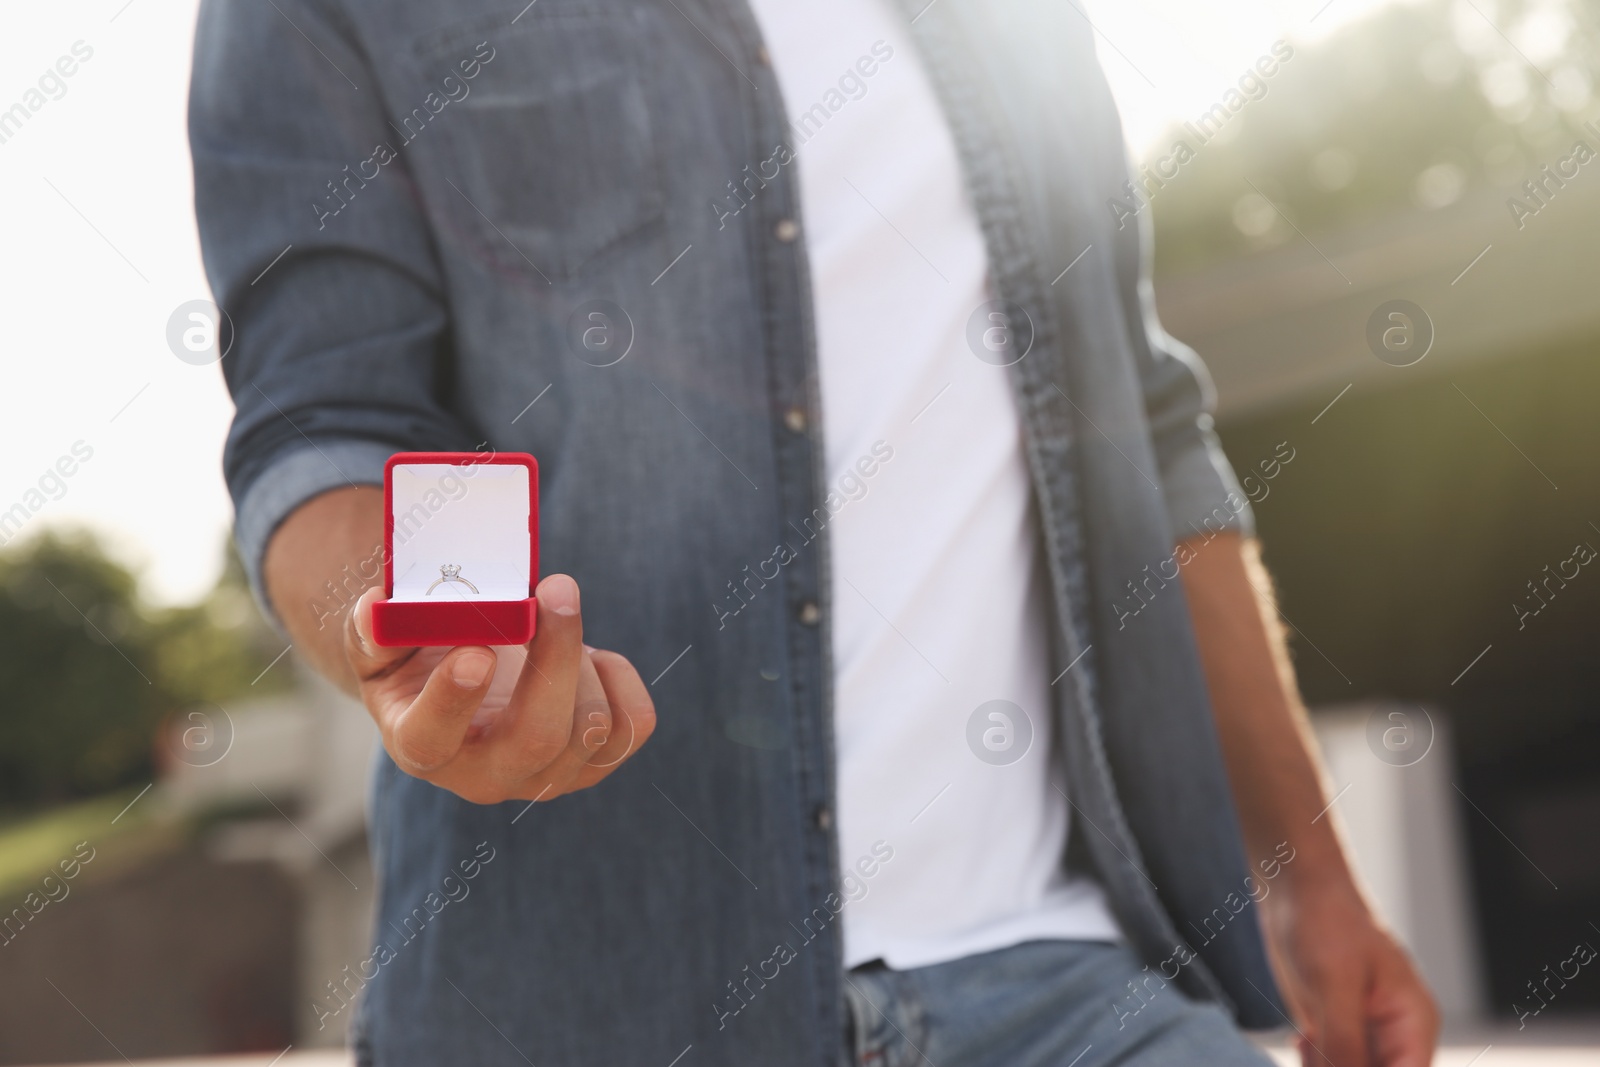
(450, 572)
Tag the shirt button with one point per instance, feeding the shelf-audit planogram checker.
(823, 817)
(786, 230)
(809, 613)
(795, 419)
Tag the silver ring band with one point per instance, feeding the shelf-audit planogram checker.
(450, 572)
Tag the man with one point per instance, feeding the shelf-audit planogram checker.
(859, 435)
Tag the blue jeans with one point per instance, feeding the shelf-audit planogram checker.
(1055, 1003)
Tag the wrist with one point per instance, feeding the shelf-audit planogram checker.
(1306, 851)
(1317, 883)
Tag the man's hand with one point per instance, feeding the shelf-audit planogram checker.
(527, 724)
(1357, 998)
(486, 724)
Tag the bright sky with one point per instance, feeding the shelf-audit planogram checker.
(1167, 58)
(100, 249)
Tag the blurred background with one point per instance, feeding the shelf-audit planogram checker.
(1386, 250)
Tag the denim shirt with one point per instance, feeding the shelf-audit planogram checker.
(413, 212)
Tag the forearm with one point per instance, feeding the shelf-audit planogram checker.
(317, 564)
(1266, 739)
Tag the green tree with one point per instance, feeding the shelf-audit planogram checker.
(1413, 108)
(89, 671)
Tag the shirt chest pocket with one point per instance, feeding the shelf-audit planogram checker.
(549, 145)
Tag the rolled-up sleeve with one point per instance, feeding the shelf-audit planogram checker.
(326, 271)
(1201, 491)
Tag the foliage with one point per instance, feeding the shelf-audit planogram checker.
(89, 671)
(1416, 107)
(31, 847)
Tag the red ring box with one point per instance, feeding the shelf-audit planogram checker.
(478, 512)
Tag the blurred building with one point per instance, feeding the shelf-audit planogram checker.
(1428, 538)
(218, 922)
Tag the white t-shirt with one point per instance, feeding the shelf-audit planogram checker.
(937, 586)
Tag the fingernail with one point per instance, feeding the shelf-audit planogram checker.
(470, 669)
(363, 621)
(589, 649)
(362, 637)
(560, 595)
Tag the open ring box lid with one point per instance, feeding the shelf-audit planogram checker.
(473, 511)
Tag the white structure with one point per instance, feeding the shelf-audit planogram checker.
(308, 754)
(1389, 766)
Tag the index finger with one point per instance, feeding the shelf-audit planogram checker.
(369, 659)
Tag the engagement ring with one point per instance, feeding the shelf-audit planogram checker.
(450, 572)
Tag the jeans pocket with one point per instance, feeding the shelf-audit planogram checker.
(884, 1022)
(549, 146)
